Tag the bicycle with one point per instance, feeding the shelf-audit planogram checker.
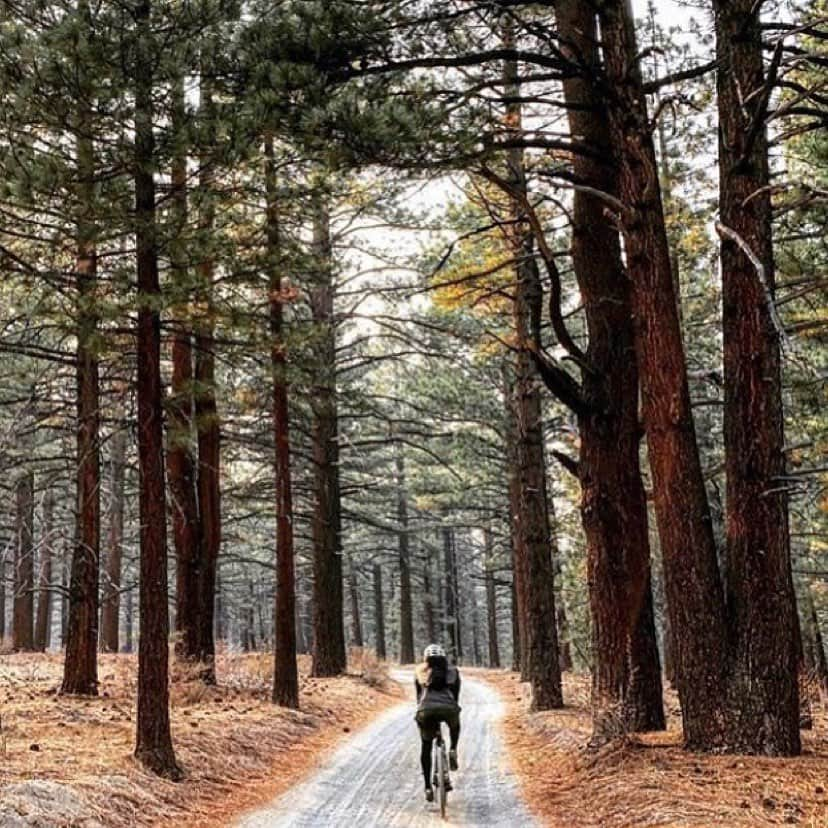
(440, 765)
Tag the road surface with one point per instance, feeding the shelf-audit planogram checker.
(374, 779)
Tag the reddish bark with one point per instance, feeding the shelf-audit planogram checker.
(626, 675)
(692, 581)
(763, 623)
(285, 677)
(153, 740)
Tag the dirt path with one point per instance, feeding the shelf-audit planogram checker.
(374, 779)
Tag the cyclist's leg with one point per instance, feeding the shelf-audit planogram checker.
(428, 730)
(453, 722)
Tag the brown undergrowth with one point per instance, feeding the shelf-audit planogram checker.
(237, 749)
(648, 779)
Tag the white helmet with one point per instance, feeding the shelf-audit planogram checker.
(432, 651)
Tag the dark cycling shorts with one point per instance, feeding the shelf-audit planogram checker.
(430, 718)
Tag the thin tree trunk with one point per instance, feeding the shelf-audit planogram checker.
(111, 605)
(491, 611)
(181, 464)
(428, 596)
(43, 621)
(128, 622)
(406, 611)
(379, 614)
(80, 670)
(329, 655)
(451, 604)
(153, 743)
(3, 576)
(626, 689)
(761, 604)
(356, 619)
(285, 675)
(693, 585)
(817, 645)
(206, 411)
(534, 546)
(23, 611)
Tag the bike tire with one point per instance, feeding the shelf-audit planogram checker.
(441, 773)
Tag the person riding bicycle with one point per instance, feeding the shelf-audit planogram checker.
(438, 692)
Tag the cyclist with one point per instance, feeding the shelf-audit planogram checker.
(438, 691)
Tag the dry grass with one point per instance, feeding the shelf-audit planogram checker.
(232, 742)
(649, 779)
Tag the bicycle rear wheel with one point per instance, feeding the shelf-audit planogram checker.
(442, 773)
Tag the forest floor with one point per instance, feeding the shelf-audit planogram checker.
(68, 761)
(648, 779)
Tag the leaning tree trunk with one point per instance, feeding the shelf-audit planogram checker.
(692, 581)
(379, 613)
(329, 656)
(285, 675)
(80, 667)
(626, 686)
(181, 464)
(406, 612)
(111, 603)
(762, 617)
(534, 547)
(43, 620)
(206, 410)
(23, 609)
(154, 743)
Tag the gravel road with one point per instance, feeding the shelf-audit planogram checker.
(374, 779)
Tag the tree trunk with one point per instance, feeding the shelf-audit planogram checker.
(451, 603)
(491, 615)
(693, 586)
(111, 605)
(519, 642)
(43, 621)
(80, 668)
(762, 617)
(626, 687)
(154, 743)
(379, 614)
(128, 622)
(285, 675)
(356, 619)
(406, 612)
(206, 412)
(329, 656)
(534, 547)
(181, 464)
(23, 611)
(428, 597)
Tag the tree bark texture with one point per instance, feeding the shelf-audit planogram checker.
(329, 655)
(379, 614)
(43, 619)
(626, 689)
(111, 604)
(154, 743)
(285, 676)
(693, 586)
(763, 624)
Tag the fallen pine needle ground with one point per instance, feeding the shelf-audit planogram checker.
(68, 760)
(648, 780)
